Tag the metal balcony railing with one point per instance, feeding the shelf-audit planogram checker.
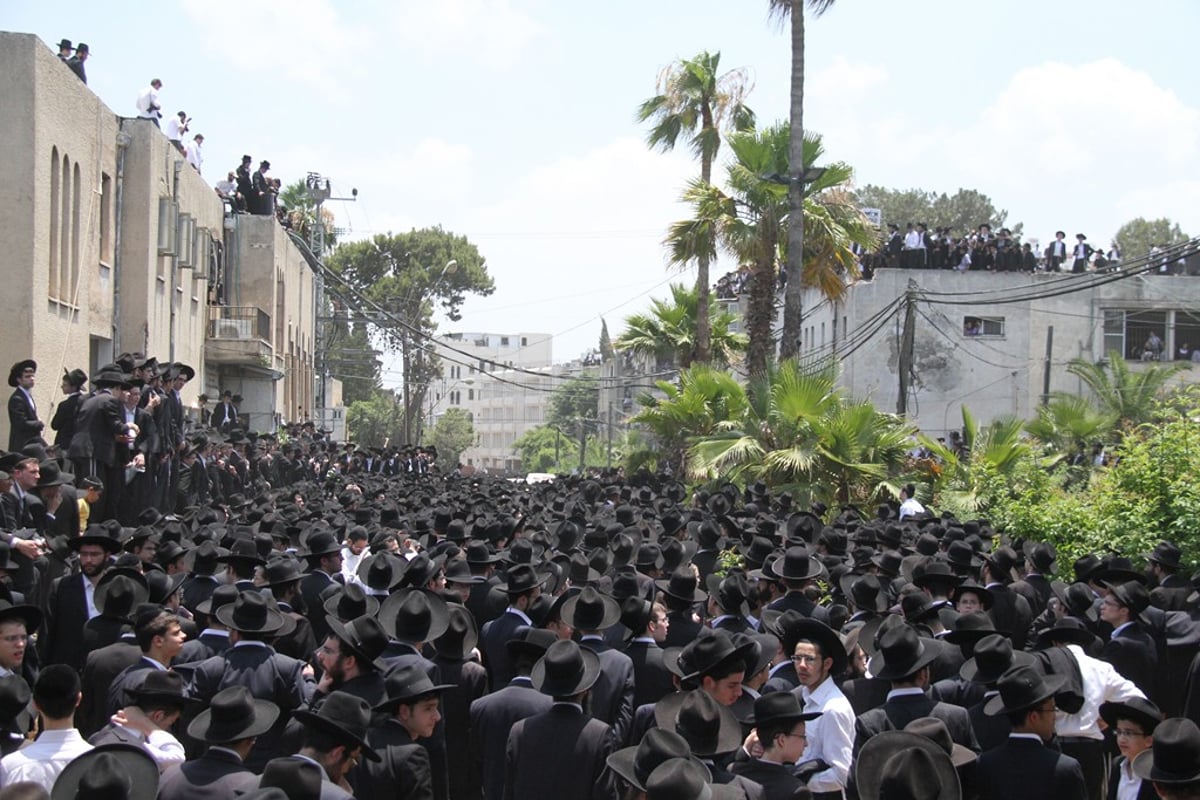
(240, 323)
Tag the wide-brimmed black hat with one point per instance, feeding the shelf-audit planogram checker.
(970, 628)
(937, 573)
(110, 375)
(971, 587)
(522, 578)
(66, 44)
(900, 654)
(111, 771)
(779, 707)
(223, 595)
(351, 602)
(364, 637)
(460, 636)
(1118, 569)
(795, 629)
(50, 475)
(591, 610)
(710, 728)
(1022, 688)
(407, 684)
(1078, 599)
(960, 555)
(865, 591)
(15, 372)
(994, 655)
(233, 714)
(382, 572)
(710, 650)
(344, 716)
(1167, 554)
(917, 607)
(96, 534)
(320, 543)
(250, 613)
(459, 571)
(30, 615)
(797, 564)
(243, 550)
(1137, 709)
(936, 731)
(415, 615)
(904, 760)
(532, 641)
(288, 778)
(635, 764)
(565, 670)
(282, 571)
(479, 554)
(682, 585)
(1132, 595)
(15, 706)
(119, 595)
(1175, 756)
(161, 686)
(1066, 629)
(162, 585)
(421, 570)
(685, 779)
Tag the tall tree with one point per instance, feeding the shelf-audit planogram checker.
(574, 411)
(792, 312)
(695, 101)
(1136, 237)
(1129, 395)
(668, 331)
(454, 433)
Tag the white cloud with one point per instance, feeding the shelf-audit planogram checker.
(843, 80)
(490, 32)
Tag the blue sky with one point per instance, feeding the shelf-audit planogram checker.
(513, 122)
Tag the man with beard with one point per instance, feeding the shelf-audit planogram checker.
(72, 600)
(350, 659)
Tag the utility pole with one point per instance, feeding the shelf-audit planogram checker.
(907, 335)
(1046, 366)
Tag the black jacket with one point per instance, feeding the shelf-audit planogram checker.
(492, 717)
(896, 713)
(216, 775)
(560, 753)
(23, 424)
(403, 773)
(1029, 770)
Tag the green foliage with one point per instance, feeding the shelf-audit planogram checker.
(962, 212)
(1127, 394)
(573, 410)
(546, 449)
(376, 421)
(454, 433)
(965, 485)
(668, 332)
(704, 398)
(302, 211)
(1137, 236)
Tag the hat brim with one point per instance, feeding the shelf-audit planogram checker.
(969, 671)
(623, 762)
(1111, 712)
(273, 623)
(306, 717)
(439, 614)
(880, 748)
(1143, 767)
(134, 762)
(585, 681)
(729, 730)
(371, 605)
(1079, 636)
(879, 667)
(30, 615)
(1052, 685)
(826, 638)
(697, 596)
(338, 629)
(264, 716)
(611, 616)
(107, 542)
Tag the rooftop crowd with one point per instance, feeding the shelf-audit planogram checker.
(293, 617)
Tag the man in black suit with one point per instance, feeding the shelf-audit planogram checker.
(1163, 565)
(680, 596)
(253, 663)
(23, 423)
(403, 769)
(100, 425)
(1024, 766)
(648, 622)
(155, 704)
(797, 570)
(904, 660)
(1133, 724)
(71, 602)
(779, 724)
(335, 737)
(224, 416)
(160, 638)
(523, 588)
(590, 613)
(229, 726)
(493, 715)
(1130, 648)
(324, 557)
(562, 752)
(63, 422)
(1010, 611)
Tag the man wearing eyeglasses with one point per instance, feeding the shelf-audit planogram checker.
(818, 656)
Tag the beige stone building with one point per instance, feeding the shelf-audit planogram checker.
(110, 242)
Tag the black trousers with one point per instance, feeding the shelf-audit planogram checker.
(1092, 760)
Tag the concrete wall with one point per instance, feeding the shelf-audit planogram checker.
(994, 375)
(57, 277)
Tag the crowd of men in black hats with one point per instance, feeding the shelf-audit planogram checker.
(375, 632)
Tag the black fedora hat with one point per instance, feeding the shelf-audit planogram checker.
(685, 779)
(243, 550)
(66, 44)
(779, 707)
(865, 591)
(1118, 569)
(320, 543)
(110, 771)
(917, 607)
(162, 686)
(119, 595)
(421, 570)
(994, 655)
(478, 554)
(250, 613)
(382, 572)
(937, 573)
(970, 628)
(900, 654)
(1132, 595)
(223, 595)
(936, 731)
(710, 728)
(459, 571)
(344, 716)
(405, 685)
(532, 641)
(1175, 756)
(97, 534)
(15, 706)
(14, 373)
(233, 714)
(960, 555)
(460, 636)
(565, 670)
(30, 615)
(288, 778)
(682, 585)
(591, 610)
(522, 578)
(351, 602)
(1022, 688)
(415, 615)
(1166, 554)
(905, 760)
(635, 764)
(805, 628)
(282, 571)
(50, 475)
(1066, 629)
(1137, 709)
(986, 598)
(1078, 599)
(162, 585)
(797, 565)
(710, 650)
(364, 637)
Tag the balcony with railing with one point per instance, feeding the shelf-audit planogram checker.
(239, 335)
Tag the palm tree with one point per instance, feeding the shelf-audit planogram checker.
(749, 220)
(799, 432)
(704, 398)
(961, 484)
(1128, 395)
(792, 317)
(696, 102)
(668, 332)
(1068, 423)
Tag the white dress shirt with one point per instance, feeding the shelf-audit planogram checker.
(830, 736)
(43, 760)
(1129, 784)
(1101, 684)
(89, 596)
(162, 746)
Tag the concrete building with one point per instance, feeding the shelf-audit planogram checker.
(970, 348)
(113, 243)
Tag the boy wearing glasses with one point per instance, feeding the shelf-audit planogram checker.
(1133, 722)
(779, 725)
